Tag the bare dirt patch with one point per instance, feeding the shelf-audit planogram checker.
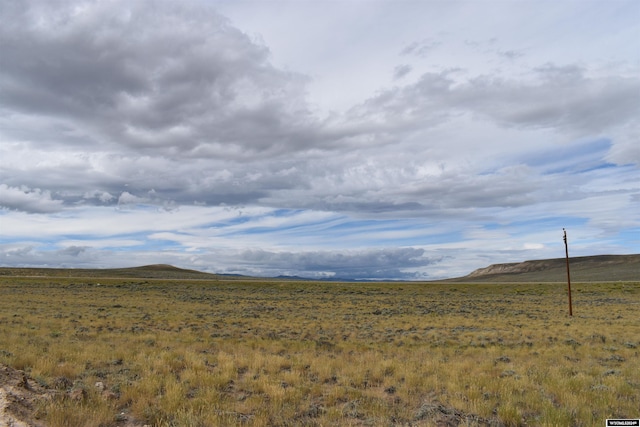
(20, 398)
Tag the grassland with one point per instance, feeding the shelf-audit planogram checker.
(278, 353)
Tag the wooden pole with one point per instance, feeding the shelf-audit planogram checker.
(566, 251)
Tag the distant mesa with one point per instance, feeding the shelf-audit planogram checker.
(598, 268)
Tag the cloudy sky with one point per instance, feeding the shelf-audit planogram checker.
(347, 138)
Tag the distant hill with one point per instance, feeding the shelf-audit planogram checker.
(599, 268)
(156, 271)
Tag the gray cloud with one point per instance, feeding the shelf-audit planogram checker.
(561, 98)
(401, 70)
(421, 48)
(180, 81)
(73, 251)
(35, 256)
(181, 103)
(389, 263)
(29, 200)
(511, 54)
(564, 98)
(397, 263)
(108, 109)
(125, 100)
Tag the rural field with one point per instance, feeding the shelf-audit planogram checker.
(133, 352)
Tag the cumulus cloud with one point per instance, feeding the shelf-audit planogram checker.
(150, 124)
(198, 113)
(102, 196)
(73, 251)
(181, 81)
(37, 256)
(560, 98)
(127, 198)
(28, 200)
(399, 263)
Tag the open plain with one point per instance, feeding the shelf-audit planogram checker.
(157, 352)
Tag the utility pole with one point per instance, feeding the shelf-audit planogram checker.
(566, 250)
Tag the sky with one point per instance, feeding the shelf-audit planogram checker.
(354, 139)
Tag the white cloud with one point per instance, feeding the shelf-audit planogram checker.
(28, 199)
(293, 126)
(533, 246)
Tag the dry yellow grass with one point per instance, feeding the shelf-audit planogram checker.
(196, 353)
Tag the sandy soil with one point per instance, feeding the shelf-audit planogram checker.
(20, 397)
